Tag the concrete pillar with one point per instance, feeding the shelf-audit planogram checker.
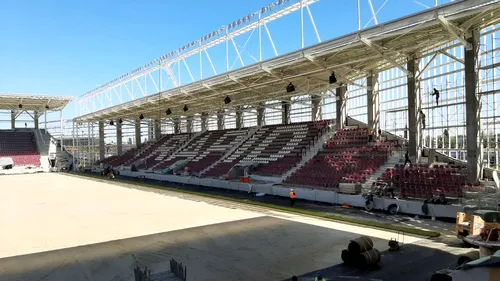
(119, 138)
(36, 115)
(260, 114)
(12, 120)
(373, 101)
(341, 103)
(220, 120)
(285, 111)
(473, 110)
(204, 121)
(138, 141)
(239, 118)
(157, 125)
(316, 108)
(101, 140)
(151, 133)
(414, 107)
(189, 124)
(177, 125)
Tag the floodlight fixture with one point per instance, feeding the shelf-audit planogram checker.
(185, 108)
(141, 116)
(333, 79)
(168, 111)
(290, 88)
(227, 100)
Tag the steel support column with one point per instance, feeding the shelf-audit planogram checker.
(316, 107)
(12, 119)
(220, 120)
(204, 121)
(157, 125)
(138, 140)
(189, 124)
(151, 134)
(101, 140)
(473, 109)
(341, 103)
(177, 125)
(119, 138)
(260, 114)
(36, 115)
(414, 107)
(373, 101)
(285, 111)
(239, 118)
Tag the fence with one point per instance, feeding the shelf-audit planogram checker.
(178, 269)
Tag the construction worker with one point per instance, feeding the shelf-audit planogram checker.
(422, 116)
(436, 93)
(370, 135)
(292, 197)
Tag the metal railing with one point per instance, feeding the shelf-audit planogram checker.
(178, 269)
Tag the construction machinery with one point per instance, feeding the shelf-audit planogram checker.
(474, 223)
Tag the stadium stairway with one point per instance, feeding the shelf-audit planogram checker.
(179, 149)
(313, 151)
(389, 164)
(250, 133)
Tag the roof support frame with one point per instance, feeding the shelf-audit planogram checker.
(444, 52)
(455, 31)
(375, 48)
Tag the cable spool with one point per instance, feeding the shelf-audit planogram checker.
(425, 209)
(359, 245)
(347, 257)
(369, 205)
(441, 277)
(368, 258)
(468, 257)
(393, 209)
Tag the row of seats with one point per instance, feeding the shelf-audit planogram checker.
(423, 182)
(276, 148)
(205, 150)
(161, 150)
(334, 164)
(20, 146)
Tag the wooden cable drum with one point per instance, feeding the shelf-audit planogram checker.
(367, 258)
(359, 245)
(347, 257)
(465, 258)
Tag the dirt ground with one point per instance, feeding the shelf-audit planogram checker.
(56, 227)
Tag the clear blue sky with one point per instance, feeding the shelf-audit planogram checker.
(70, 47)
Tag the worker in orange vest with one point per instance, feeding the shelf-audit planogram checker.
(292, 197)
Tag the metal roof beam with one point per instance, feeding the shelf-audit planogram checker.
(375, 48)
(315, 62)
(451, 56)
(456, 32)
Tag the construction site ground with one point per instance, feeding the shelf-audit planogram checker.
(62, 227)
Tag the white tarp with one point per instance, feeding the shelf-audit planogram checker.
(5, 161)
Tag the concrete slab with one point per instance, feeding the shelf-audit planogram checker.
(65, 228)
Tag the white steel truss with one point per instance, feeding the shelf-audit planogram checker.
(351, 57)
(195, 60)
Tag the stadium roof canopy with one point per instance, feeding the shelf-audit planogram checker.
(32, 102)
(352, 57)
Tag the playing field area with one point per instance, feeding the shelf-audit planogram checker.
(61, 227)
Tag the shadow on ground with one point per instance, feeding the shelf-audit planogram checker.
(264, 248)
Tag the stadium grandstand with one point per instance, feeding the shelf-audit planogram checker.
(31, 148)
(267, 166)
(422, 86)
